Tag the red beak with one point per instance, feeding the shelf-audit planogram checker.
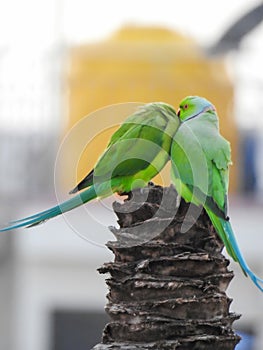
(178, 112)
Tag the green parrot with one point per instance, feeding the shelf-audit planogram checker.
(200, 169)
(137, 152)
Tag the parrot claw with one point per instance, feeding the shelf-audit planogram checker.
(120, 193)
(129, 195)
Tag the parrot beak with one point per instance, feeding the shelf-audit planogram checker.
(178, 112)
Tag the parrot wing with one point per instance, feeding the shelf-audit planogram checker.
(145, 138)
(201, 157)
(135, 144)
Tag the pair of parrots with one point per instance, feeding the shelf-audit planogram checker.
(142, 146)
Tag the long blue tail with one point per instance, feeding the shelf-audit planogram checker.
(38, 218)
(225, 232)
(240, 259)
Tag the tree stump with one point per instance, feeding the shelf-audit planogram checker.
(166, 287)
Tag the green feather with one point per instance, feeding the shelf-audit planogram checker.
(138, 150)
(200, 170)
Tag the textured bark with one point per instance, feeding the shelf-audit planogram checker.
(166, 288)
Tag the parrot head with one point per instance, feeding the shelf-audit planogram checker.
(191, 106)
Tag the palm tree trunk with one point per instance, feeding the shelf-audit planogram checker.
(168, 280)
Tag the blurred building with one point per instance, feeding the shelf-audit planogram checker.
(143, 64)
(51, 295)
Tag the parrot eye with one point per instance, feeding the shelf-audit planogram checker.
(185, 106)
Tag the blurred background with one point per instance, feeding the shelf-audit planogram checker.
(59, 62)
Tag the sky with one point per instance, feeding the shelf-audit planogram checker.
(201, 19)
(81, 20)
(33, 31)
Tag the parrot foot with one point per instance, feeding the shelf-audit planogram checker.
(128, 194)
(120, 193)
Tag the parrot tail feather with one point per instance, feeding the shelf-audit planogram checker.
(225, 232)
(43, 216)
(233, 242)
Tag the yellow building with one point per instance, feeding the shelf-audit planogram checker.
(137, 64)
